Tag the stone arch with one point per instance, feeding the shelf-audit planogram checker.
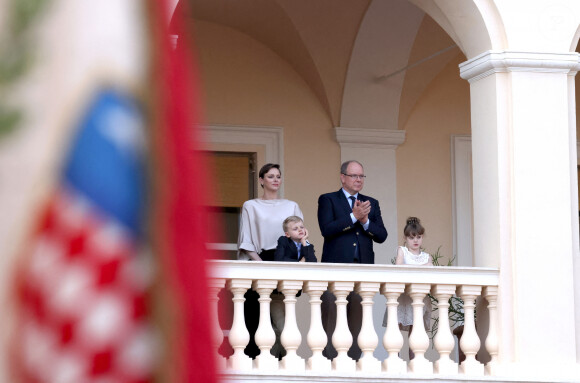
(575, 40)
(376, 73)
(475, 27)
(371, 95)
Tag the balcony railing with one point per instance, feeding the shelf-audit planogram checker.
(367, 280)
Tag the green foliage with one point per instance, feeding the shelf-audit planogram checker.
(456, 313)
(24, 13)
(16, 55)
(9, 120)
(436, 256)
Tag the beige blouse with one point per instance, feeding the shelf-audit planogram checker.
(261, 224)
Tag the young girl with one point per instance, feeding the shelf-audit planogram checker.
(411, 254)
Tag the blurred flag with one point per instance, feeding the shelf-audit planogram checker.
(83, 292)
(121, 202)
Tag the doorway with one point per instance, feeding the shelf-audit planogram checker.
(235, 176)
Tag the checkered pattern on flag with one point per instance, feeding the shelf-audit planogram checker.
(84, 308)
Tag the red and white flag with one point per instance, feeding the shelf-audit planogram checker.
(106, 142)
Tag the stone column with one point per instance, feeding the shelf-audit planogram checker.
(368, 338)
(469, 342)
(291, 336)
(393, 339)
(444, 341)
(214, 287)
(574, 153)
(342, 338)
(491, 343)
(239, 335)
(316, 337)
(419, 340)
(265, 336)
(522, 200)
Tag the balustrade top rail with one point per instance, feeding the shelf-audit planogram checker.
(390, 280)
(346, 272)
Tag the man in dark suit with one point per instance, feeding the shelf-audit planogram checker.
(349, 231)
(349, 222)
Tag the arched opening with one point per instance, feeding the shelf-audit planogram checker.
(305, 68)
(253, 80)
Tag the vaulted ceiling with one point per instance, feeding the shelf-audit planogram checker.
(367, 61)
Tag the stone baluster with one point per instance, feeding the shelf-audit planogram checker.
(316, 337)
(265, 336)
(492, 341)
(367, 338)
(290, 336)
(444, 341)
(342, 338)
(393, 339)
(239, 335)
(215, 285)
(418, 340)
(469, 340)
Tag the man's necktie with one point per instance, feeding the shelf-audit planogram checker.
(298, 245)
(356, 255)
(352, 199)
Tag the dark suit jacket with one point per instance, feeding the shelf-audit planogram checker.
(341, 235)
(286, 251)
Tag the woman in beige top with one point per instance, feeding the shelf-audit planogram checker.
(261, 223)
(260, 228)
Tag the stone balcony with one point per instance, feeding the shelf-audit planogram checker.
(436, 357)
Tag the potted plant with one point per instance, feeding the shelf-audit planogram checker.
(456, 312)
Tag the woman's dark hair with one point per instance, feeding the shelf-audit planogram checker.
(266, 168)
(413, 227)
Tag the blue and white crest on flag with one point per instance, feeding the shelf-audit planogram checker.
(106, 162)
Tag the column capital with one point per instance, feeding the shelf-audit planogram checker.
(372, 287)
(390, 287)
(491, 62)
(311, 286)
(369, 138)
(468, 290)
(264, 284)
(443, 289)
(290, 285)
(341, 286)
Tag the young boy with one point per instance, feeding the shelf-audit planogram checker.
(294, 247)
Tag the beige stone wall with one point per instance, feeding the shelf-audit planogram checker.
(423, 161)
(245, 83)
